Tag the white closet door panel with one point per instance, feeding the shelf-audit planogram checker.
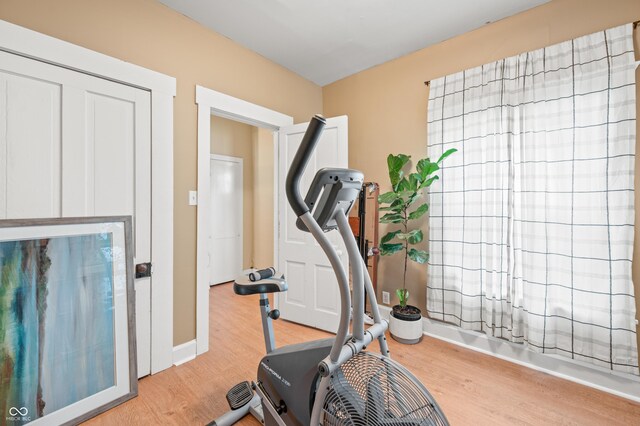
(30, 182)
(117, 162)
(142, 158)
(113, 143)
(118, 170)
(110, 142)
(74, 152)
(76, 145)
(142, 225)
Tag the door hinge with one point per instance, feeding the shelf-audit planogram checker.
(143, 270)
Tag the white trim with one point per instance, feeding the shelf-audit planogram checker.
(202, 226)
(28, 43)
(236, 109)
(229, 158)
(184, 353)
(222, 105)
(623, 385)
(161, 231)
(276, 216)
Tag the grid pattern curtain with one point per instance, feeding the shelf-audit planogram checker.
(531, 223)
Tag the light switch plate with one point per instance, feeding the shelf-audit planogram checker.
(193, 198)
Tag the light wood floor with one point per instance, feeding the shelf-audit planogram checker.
(472, 388)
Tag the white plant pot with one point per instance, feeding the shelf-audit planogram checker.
(408, 332)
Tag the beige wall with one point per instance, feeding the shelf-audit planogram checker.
(235, 139)
(387, 105)
(263, 198)
(149, 34)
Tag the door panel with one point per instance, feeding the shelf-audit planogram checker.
(30, 172)
(325, 297)
(313, 296)
(295, 296)
(110, 140)
(76, 145)
(226, 219)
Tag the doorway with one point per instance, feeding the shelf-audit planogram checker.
(321, 299)
(242, 199)
(212, 103)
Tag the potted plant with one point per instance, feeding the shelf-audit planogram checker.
(405, 323)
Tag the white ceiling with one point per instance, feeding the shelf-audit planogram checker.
(326, 40)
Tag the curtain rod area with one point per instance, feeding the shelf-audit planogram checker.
(635, 26)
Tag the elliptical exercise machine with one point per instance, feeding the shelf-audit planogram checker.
(330, 382)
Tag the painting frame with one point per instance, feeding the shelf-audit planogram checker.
(115, 253)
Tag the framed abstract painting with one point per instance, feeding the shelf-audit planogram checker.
(67, 319)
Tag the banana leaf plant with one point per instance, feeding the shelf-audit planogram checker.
(397, 205)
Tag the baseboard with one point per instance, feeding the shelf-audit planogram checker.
(184, 353)
(623, 385)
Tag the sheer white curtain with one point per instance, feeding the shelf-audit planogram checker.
(531, 224)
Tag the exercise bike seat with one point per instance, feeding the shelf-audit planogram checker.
(243, 286)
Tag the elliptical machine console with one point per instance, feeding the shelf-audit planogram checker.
(331, 189)
(329, 381)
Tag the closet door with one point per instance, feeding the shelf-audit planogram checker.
(77, 145)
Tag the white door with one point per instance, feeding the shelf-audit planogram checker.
(76, 145)
(225, 249)
(313, 298)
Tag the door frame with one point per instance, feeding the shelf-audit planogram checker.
(237, 160)
(31, 44)
(211, 103)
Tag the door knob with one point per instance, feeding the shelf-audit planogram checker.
(143, 270)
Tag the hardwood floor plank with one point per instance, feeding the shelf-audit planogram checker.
(472, 388)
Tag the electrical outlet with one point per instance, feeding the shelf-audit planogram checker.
(385, 298)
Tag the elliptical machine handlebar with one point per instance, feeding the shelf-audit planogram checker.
(299, 164)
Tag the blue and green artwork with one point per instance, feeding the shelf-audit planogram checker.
(56, 324)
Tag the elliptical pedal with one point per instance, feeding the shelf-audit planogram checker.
(239, 395)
